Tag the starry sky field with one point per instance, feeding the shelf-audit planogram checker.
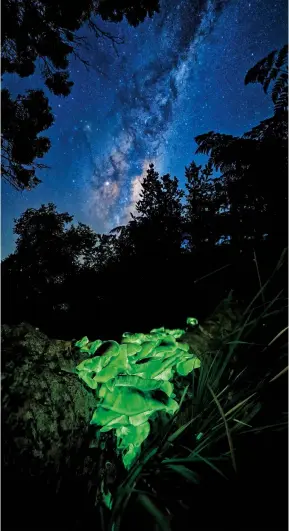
(177, 75)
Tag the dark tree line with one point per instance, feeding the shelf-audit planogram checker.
(179, 254)
(46, 33)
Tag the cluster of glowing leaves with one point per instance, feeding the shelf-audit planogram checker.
(132, 381)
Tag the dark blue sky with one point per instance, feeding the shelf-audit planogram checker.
(176, 76)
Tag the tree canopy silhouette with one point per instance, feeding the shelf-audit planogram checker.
(22, 121)
(273, 68)
(50, 254)
(173, 239)
(47, 31)
(155, 230)
(47, 34)
(248, 164)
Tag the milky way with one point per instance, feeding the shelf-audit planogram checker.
(177, 75)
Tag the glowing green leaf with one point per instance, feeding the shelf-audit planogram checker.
(183, 346)
(177, 333)
(82, 342)
(186, 366)
(91, 382)
(192, 321)
(133, 338)
(133, 348)
(132, 381)
(157, 330)
(90, 365)
(94, 346)
(147, 348)
(106, 497)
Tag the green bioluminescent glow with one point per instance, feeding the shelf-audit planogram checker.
(132, 381)
(192, 321)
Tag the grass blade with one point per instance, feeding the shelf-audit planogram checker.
(279, 374)
(226, 427)
(180, 430)
(208, 462)
(158, 516)
(240, 404)
(278, 335)
(185, 473)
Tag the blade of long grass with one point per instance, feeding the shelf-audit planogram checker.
(101, 518)
(208, 462)
(279, 374)
(158, 516)
(180, 430)
(247, 418)
(243, 423)
(219, 458)
(259, 277)
(279, 264)
(269, 426)
(120, 503)
(171, 422)
(253, 322)
(203, 377)
(185, 473)
(264, 314)
(226, 427)
(240, 404)
(124, 491)
(244, 343)
(183, 396)
(278, 335)
(212, 273)
(193, 459)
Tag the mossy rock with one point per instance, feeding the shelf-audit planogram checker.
(46, 411)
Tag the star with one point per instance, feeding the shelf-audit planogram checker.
(182, 78)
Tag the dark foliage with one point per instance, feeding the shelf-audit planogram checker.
(134, 12)
(46, 33)
(22, 121)
(274, 67)
(69, 278)
(179, 255)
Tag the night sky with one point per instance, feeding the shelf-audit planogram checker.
(177, 75)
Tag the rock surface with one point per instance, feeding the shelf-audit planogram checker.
(46, 411)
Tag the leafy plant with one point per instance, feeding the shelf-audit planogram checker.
(273, 68)
(218, 403)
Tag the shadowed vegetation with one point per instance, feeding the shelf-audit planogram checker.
(215, 250)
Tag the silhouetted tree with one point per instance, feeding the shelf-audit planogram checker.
(159, 213)
(273, 68)
(206, 203)
(158, 223)
(249, 165)
(47, 32)
(139, 266)
(49, 257)
(134, 11)
(22, 121)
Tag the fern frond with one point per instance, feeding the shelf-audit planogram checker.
(117, 230)
(259, 72)
(282, 57)
(279, 87)
(281, 103)
(212, 141)
(273, 75)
